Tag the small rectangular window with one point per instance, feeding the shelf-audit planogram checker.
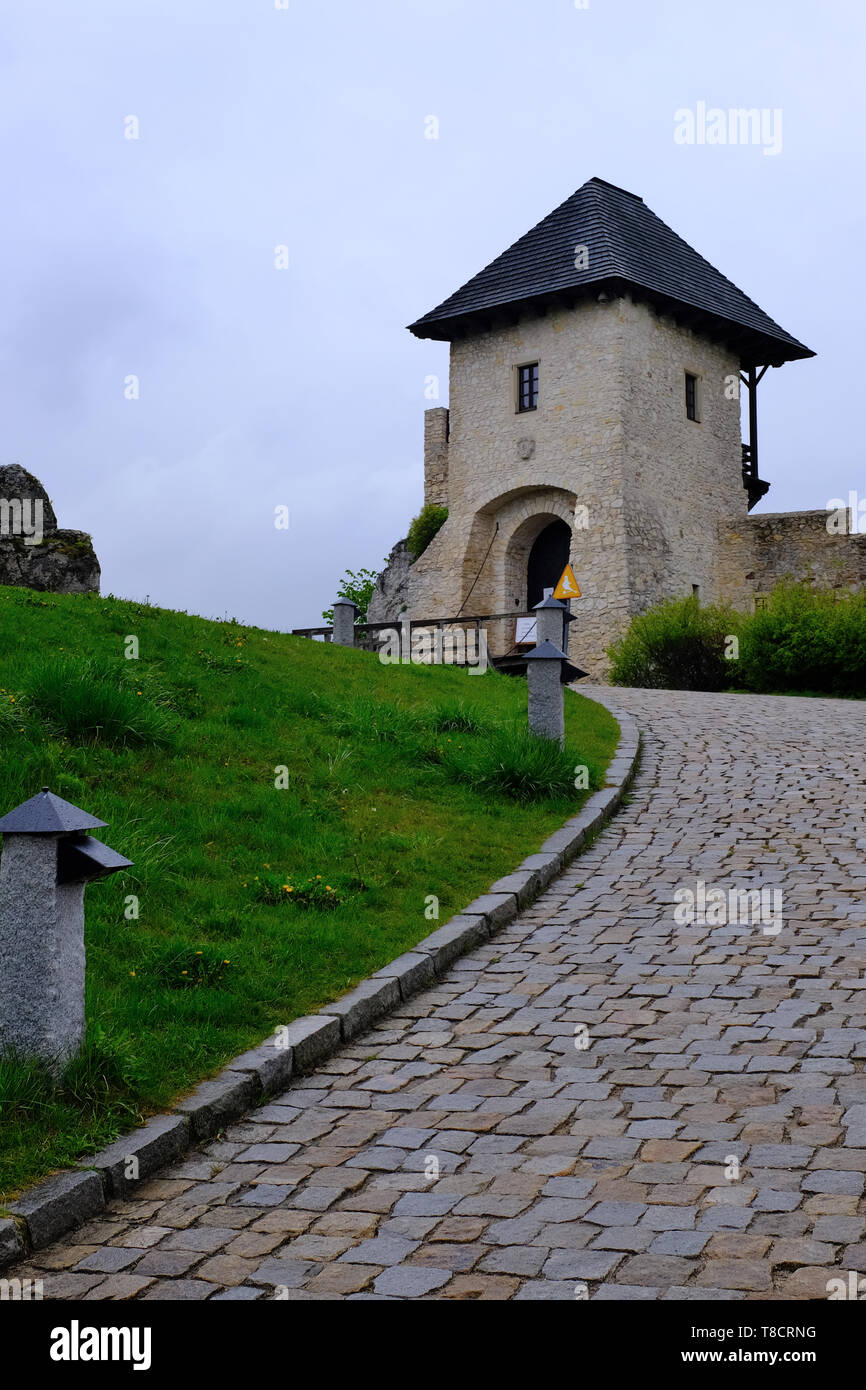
(527, 387)
(691, 396)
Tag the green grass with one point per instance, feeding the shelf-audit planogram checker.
(255, 904)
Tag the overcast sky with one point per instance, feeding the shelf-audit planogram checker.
(261, 126)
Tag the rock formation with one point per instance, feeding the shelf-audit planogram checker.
(34, 552)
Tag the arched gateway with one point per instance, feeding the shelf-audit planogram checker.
(547, 559)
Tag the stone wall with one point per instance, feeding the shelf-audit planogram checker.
(436, 430)
(758, 552)
(46, 558)
(681, 475)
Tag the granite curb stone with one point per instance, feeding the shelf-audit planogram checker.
(161, 1139)
(55, 1206)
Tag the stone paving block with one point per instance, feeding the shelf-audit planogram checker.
(179, 1291)
(802, 1252)
(581, 1264)
(625, 1293)
(288, 1273)
(627, 1238)
(679, 1243)
(203, 1238)
(110, 1259)
(66, 1286)
(768, 1200)
(615, 1213)
(736, 1274)
(839, 1229)
(410, 1281)
(226, 1269)
(240, 1294)
(343, 1279)
(458, 1258)
(480, 1287)
(426, 1204)
(832, 1180)
(546, 1291)
(381, 1250)
(168, 1264)
(809, 1282)
(523, 1260)
(701, 1294)
(118, 1288)
(656, 1271)
(737, 1245)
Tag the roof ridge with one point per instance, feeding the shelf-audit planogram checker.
(619, 189)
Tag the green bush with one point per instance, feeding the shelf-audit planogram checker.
(802, 640)
(805, 640)
(427, 523)
(677, 646)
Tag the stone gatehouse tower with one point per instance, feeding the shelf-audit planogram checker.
(595, 379)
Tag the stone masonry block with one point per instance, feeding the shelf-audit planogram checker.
(157, 1143)
(57, 1205)
(363, 1005)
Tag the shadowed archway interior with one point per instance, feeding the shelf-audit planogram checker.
(547, 559)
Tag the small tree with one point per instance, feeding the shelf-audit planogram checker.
(359, 588)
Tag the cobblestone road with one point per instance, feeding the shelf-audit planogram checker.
(608, 1165)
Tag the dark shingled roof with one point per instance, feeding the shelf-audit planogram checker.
(630, 250)
(47, 814)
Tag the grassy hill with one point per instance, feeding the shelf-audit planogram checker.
(255, 903)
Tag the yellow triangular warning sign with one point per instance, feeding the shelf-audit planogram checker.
(567, 586)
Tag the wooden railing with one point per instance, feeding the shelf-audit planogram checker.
(415, 624)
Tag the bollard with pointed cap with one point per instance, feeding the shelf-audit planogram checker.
(546, 669)
(344, 622)
(48, 859)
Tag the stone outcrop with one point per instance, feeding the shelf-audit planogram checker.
(391, 595)
(35, 553)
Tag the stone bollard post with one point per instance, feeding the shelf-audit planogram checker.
(47, 862)
(344, 622)
(546, 700)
